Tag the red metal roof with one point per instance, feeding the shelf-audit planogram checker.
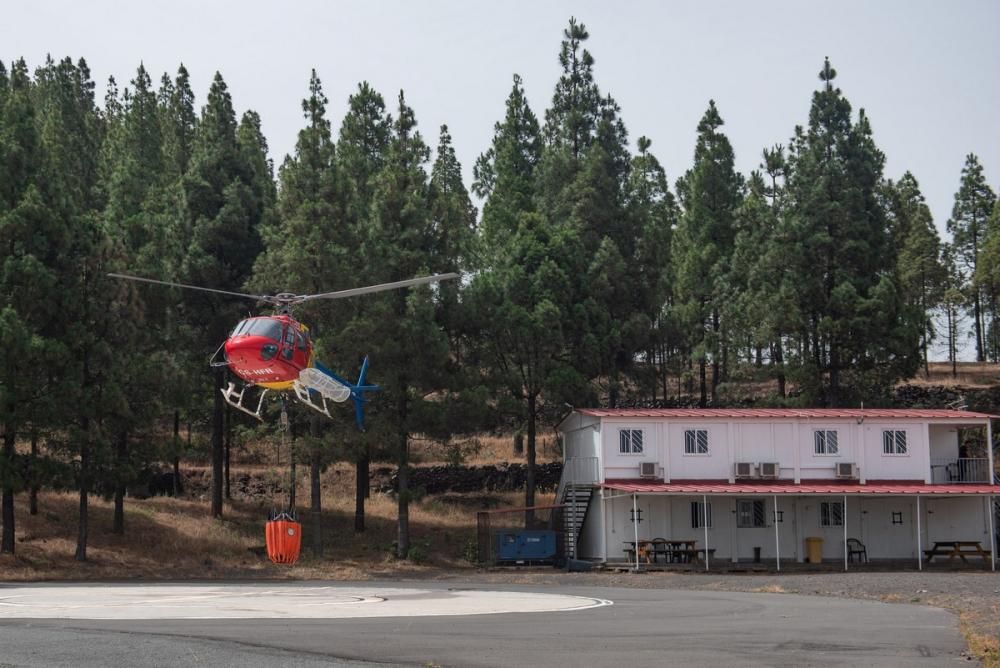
(831, 487)
(818, 413)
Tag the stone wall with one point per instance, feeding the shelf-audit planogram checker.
(499, 478)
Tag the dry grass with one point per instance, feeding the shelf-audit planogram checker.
(982, 632)
(969, 374)
(483, 450)
(770, 589)
(169, 538)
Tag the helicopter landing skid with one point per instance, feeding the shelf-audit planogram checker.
(303, 394)
(235, 399)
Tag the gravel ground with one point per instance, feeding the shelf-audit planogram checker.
(973, 596)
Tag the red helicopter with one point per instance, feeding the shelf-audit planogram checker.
(275, 352)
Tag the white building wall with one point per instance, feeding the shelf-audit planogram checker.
(914, 465)
(955, 519)
(943, 441)
(589, 541)
(618, 465)
(715, 465)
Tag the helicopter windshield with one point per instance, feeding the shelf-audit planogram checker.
(266, 327)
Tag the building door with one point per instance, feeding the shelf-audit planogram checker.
(888, 528)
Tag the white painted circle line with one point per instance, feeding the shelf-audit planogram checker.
(152, 602)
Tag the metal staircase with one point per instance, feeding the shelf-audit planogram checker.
(576, 488)
(576, 500)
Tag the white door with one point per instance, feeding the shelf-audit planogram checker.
(888, 528)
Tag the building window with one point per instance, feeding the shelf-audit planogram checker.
(897, 518)
(831, 514)
(696, 442)
(701, 515)
(630, 441)
(750, 513)
(893, 442)
(825, 442)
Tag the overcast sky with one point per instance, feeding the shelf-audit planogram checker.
(927, 72)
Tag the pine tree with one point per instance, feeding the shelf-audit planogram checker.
(362, 147)
(306, 249)
(517, 302)
(399, 327)
(71, 131)
(32, 239)
(987, 280)
(703, 243)
(223, 212)
(857, 333)
(974, 203)
(921, 274)
(653, 212)
(453, 225)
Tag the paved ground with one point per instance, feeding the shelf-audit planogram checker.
(643, 627)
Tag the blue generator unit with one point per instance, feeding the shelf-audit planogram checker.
(524, 545)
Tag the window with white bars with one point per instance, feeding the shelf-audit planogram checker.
(831, 514)
(701, 515)
(630, 441)
(750, 514)
(696, 442)
(894, 442)
(825, 442)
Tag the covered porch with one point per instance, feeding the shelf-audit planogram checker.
(781, 525)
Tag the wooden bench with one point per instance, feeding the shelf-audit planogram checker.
(957, 548)
(698, 554)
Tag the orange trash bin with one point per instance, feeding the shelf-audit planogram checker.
(283, 536)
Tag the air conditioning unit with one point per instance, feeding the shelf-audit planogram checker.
(647, 469)
(745, 470)
(847, 470)
(768, 469)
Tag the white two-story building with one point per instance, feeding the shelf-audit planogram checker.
(757, 483)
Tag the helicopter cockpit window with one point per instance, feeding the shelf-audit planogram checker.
(289, 348)
(240, 326)
(264, 327)
(303, 341)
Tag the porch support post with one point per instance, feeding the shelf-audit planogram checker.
(777, 543)
(920, 553)
(635, 527)
(845, 532)
(991, 510)
(704, 505)
(989, 452)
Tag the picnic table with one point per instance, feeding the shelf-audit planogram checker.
(956, 548)
(672, 551)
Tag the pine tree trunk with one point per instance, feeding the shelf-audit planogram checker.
(291, 468)
(217, 380)
(529, 472)
(177, 449)
(81, 536)
(715, 358)
(361, 474)
(977, 311)
(121, 456)
(779, 362)
(33, 491)
(9, 434)
(315, 488)
(228, 416)
(703, 400)
(403, 473)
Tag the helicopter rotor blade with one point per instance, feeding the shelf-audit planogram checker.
(380, 288)
(263, 298)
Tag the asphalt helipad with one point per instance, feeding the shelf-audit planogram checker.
(458, 624)
(269, 601)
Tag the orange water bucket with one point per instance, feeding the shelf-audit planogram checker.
(284, 539)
